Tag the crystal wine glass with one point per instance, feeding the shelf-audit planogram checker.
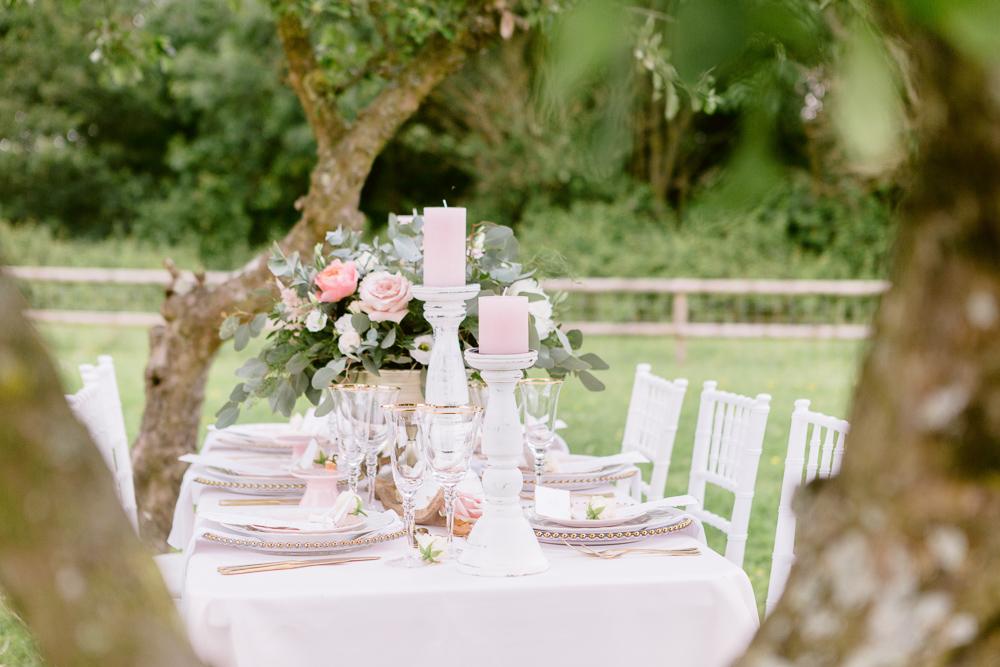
(352, 404)
(409, 460)
(539, 402)
(378, 432)
(449, 436)
(479, 393)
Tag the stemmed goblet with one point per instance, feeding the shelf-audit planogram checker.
(539, 403)
(409, 460)
(450, 434)
(378, 432)
(352, 405)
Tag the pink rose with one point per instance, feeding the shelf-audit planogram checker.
(336, 281)
(384, 296)
(468, 507)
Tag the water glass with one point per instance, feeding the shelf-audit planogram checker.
(352, 405)
(378, 432)
(539, 403)
(409, 461)
(449, 435)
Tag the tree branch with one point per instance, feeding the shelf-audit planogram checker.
(309, 82)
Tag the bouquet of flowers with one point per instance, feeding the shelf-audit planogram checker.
(352, 307)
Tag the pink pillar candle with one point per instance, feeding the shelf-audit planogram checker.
(444, 246)
(503, 324)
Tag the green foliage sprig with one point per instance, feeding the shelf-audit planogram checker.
(314, 343)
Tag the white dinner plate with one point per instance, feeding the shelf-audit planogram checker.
(575, 481)
(268, 525)
(286, 545)
(257, 437)
(655, 522)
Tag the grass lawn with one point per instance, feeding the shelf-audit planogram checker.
(822, 371)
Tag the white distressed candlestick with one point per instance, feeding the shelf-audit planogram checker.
(444, 309)
(502, 542)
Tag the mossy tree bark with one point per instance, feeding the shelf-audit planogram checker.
(897, 557)
(70, 563)
(183, 349)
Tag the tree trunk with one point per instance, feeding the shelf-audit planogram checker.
(183, 349)
(897, 557)
(70, 562)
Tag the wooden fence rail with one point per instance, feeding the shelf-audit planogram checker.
(679, 324)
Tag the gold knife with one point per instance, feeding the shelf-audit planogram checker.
(288, 565)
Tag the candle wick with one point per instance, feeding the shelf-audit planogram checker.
(505, 290)
(414, 213)
(445, 203)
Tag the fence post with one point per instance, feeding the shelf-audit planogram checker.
(680, 313)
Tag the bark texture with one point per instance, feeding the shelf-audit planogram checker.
(897, 558)
(183, 349)
(70, 563)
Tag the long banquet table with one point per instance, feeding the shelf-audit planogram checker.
(695, 610)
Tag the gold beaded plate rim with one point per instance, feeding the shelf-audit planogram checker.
(305, 547)
(608, 536)
(630, 471)
(255, 488)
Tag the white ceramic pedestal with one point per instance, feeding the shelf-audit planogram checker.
(444, 309)
(502, 543)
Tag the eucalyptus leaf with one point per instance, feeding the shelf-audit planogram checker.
(360, 322)
(544, 358)
(336, 237)
(511, 250)
(313, 395)
(251, 368)
(497, 236)
(406, 248)
(596, 363)
(324, 377)
(572, 363)
(575, 337)
(241, 337)
(286, 400)
(589, 381)
(564, 341)
(297, 363)
(257, 324)
(238, 394)
(389, 339)
(227, 417)
(324, 408)
(533, 341)
(229, 327)
(369, 365)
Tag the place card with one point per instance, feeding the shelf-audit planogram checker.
(555, 503)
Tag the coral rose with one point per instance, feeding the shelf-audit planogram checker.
(336, 281)
(385, 296)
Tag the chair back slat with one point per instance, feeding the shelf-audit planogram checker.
(651, 424)
(728, 442)
(823, 462)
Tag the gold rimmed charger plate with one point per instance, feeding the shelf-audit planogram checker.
(656, 522)
(305, 547)
(259, 487)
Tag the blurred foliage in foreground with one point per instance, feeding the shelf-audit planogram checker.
(615, 160)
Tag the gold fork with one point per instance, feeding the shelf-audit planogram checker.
(288, 565)
(612, 554)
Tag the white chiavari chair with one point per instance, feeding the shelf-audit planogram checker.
(98, 407)
(826, 437)
(651, 426)
(728, 441)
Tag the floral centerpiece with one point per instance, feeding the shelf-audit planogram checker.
(350, 306)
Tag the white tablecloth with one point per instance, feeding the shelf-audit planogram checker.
(693, 611)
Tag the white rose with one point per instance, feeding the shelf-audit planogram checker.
(422, 346)
(316, 320)
(354, 307)
(433, 548)
(597, 507)
(349, 342)
(385, 296)
(343, 324)
(541, 309)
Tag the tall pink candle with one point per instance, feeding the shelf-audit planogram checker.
(444, 246)
(503, 324)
